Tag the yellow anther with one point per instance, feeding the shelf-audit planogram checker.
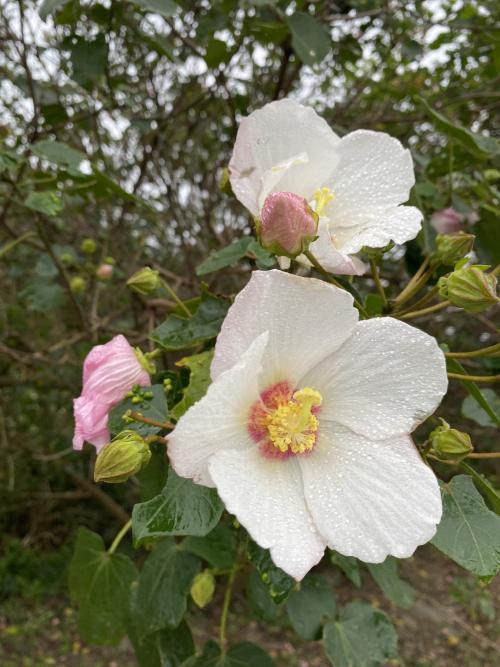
(292, 427)
(322, 197)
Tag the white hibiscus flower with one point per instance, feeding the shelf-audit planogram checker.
(304, 430)
(355, 184)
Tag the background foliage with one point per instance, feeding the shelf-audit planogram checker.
(117, 120)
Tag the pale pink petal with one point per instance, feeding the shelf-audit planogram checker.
(370, 498)
(447, 221)
(271, 137)
(91, 423)
(219, 420)
(267, 498)
(384, 380)
(306, 319)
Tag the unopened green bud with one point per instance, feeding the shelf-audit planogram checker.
(67, 259)
(450, 248)
(88, 246)
(203, 588)
(449, 443)
(145, 360)
(144, 281)
(78, 285)
(122, 458)
(470, 288)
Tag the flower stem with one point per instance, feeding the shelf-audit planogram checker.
(484, 455)
(174, 296)
(137, 417)
(474, 378)
(492, 350)
(421, 302)
(119, 537)
(378, 284)
(417, 281)
(424, 311)
(225, 607)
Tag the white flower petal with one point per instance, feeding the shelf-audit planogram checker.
(218, 420)
(386, 379)
(267, 498)
(370, 499)
(306, 319)
(375, 173)
(399, 224)
(271, 136)
(330, 258)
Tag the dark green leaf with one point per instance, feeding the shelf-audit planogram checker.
(217, 53)
(472, 410)
(48, 7)
(488, 491)
(155, 408)
(228, 256)
(310, 40)
(361, 637)
(182, 508)
(178, 333)
(153, 477)
(349, 566)
(456, 367)
(386, 575)
(42, 296)
(279, 583)
(243, 654)
(260, 599)
(469, 533)
(60, 154)
(218, 548)
(199, 380)
(100, 582)
(88, 59)
(46, 202)
(164, 583)
(164, 7)
(310, 606)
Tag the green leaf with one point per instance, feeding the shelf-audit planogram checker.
(469, 533)
(487, 490)
(60, 154)
(182, 508)
(260, 599)
(164, 7)
(374, 305)
(155, 408)
(42, 296)
(477, 143)
(387, 578)
(48, 7)
(153, 477)
(227, 256)
(88, 59)
(217, 53)
(472, 410)
(218, 548)
(361, 637)
(46, 202)
(178, 333)
(349, 566)
(243, 654)
(199, 380)
(100, 582)
(456, 367)
(164, 583)
(310, 606)
(279, 583)
(310, 40)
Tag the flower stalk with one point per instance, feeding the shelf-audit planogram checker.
(119, 537)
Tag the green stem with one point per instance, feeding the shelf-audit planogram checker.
(137, 417)
(417, 281)
(225, 607)
(484, 455)
(474, 378)
(424, 311)
(378, 284)
(421, 302)
(492, 350)
(120, 536)
(174, 296)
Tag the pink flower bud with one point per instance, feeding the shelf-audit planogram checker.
(447, 221)
(288, 224)
(109, 373)
(104, 271)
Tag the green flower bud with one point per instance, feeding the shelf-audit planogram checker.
(450, 248)
(449, 443)
(470, 288)
(122, 458)
(203, 588)
(144, 281)
(88, 246)
(78, 285)
(67, 259)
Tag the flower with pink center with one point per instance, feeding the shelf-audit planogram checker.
(447, 221)
(305, 428)
(287, 224)
(355, 184)
(109, 373)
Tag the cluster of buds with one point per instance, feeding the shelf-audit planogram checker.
(144, 281)
(123, 457)
(450, 444)
(470, 288)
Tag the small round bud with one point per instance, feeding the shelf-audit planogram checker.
(287, 225)
(470, 288)
(450, 248)
(449, 443)
(78, 285)
(122, 458)
(447, 221)
(88, 246)
(104, 271)
(110, 260)
(203, 588)
(67, 259)
(144, 281)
